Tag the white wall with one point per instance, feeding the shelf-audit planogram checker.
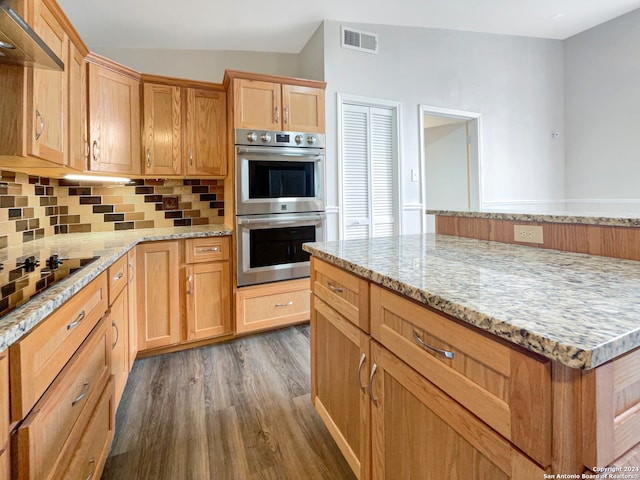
(602, 95)
(446, 176)
(516, 83)
(311, 57)
(204, 65)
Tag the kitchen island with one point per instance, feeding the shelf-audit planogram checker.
(563, 328)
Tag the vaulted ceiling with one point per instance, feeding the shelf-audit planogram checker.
(285, 26)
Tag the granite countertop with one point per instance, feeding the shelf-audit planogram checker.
(109, 246)
(579, 310)
(609, 219)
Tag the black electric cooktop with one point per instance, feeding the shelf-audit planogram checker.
(30, 277)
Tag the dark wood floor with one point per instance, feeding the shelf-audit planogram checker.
(236, 410)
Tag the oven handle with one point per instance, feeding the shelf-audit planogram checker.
(273, 153)
(306, 219)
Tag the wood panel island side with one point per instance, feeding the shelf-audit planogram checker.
(444, 357)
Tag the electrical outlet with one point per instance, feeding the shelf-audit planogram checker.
(528, 234)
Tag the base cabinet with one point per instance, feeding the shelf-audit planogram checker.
(339, 389)
(272, 305)
(158, 290)
(208, 300)
(420, 432)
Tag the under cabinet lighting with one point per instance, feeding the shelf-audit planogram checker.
(91, 178)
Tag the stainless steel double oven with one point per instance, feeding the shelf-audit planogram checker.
(279, 203)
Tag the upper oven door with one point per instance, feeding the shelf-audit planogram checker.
(279, 180)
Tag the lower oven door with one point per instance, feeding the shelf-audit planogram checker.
(270, 246)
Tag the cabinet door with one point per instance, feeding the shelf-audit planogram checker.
(48, 99)
(133, 306)
(120, 342)
(420, 432)
(206, 132)
(162, 130)
(339, 390)
(4, 412)
(208, 297)
(77, 131)
(257, 105)
(158, 294)
(302, 109)
(114, 120)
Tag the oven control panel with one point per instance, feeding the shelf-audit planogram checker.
(279, 139)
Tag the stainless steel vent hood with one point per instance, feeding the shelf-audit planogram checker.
(20, 45)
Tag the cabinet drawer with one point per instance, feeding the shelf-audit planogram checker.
(272, 305)
(477, 371)
(43, 439)
(208, 249)
(93, 448)
(346, 293)
(4, 399)
(38, 358)
(118, 278)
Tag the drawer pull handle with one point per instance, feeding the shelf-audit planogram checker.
(374, 367)
(335, 288)
(210, 249)
(85, 389)
(131, 270)
(190, 284)
(288, 304)
(114, 325)
(362, 359)
(41, 124)
(118, 276)
(417, 338)
(76, 321)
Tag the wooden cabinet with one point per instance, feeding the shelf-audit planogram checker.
(49, 434)
(38, 357)
(208, 288)
(133, 306)
(77, 150)
(114, 118)
(340, 362)
(119, 318)
(185, 130)
(92, 450)
(434, 399)
(262, 102)
(158, 294)
(507, 388)
(206, 132)
(419, 432)
(34, 116)
(272, 305)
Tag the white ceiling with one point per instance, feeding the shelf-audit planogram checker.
(285, 26)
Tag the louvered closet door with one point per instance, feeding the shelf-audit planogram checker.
(369, 159)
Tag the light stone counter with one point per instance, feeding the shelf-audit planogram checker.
(109, 246)
(558, 216)
(579, 310)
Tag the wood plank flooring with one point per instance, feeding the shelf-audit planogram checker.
(235, 410)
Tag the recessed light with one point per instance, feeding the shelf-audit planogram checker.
(7, 45)
(558, 16)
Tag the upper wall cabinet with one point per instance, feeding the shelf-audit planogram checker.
(185, 129)
(77, 151)
(263, 102)
(114, 118)
(33, 105)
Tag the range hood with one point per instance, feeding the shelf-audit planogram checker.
(20, 45)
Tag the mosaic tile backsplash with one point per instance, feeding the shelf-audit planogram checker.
(35, 207)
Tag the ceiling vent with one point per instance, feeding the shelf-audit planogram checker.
(359, 40)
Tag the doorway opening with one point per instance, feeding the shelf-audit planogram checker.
(449, 159)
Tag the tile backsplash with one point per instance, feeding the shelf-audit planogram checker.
(35, 207)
